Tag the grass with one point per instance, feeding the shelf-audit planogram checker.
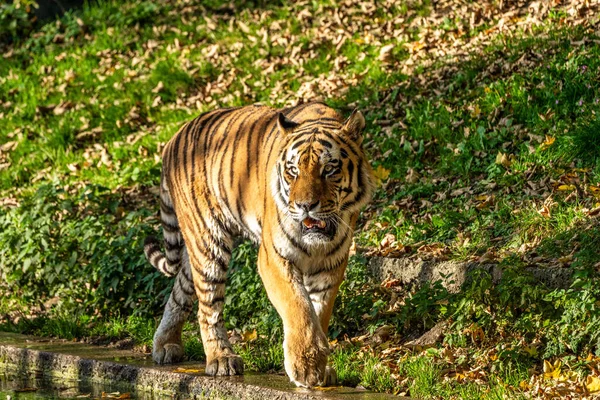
(488, 153)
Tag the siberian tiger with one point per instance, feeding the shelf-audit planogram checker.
(292, 181)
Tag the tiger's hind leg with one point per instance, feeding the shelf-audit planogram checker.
(167, 344)
(209, 247)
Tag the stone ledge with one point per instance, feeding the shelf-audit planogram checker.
(453, 274)
(40, 357)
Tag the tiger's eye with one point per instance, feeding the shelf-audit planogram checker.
(328, 169)
(293, 170)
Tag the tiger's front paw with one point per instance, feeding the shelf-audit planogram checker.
(225, 365)
(306, 359)
(168, 353)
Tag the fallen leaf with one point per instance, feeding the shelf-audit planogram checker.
(566, 259)
(388, 240)
(544, 211)
(552, 371)
(381, 174)
(391, 282)
(592, 384)
(385, 53)
(503, 159)
(412, 176)
(249, 336)
(188, 370)
(158, 87)
(547, 142)
(531, 350)
(564, 188)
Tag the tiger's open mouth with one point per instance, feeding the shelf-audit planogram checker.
(317, 226)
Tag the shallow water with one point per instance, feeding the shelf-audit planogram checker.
(14, 388)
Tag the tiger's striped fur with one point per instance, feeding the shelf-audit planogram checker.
(292, 181)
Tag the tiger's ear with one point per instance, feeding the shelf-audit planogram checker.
(354, 126)
(285, 125)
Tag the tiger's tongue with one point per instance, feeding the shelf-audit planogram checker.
(311, 223)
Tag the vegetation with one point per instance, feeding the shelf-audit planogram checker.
(482, 130)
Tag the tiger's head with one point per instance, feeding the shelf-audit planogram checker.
(322, 176)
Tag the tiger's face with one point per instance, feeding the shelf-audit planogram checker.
(322, 177)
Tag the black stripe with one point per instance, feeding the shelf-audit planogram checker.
(166, 209)
(211, 256)
(327, 269)
(280, 255)
(319, 290)
(286, 191)
(222, 163)
(337, 246)
(183, 289)
(361, 192)
(201, 290)
(350, 172)
(260, 142)
(222, 226)
(169, 227)
(222, 245)
(205, 278)
(325, 143)
(213, 124)
(323, 123)
(212, 303)
(185, 308)
(185, 150)
(172, 246)
(235, 147)
(175, 148)
(239, 206)
(293, 241)
(299, 143)
(340, 140)
(187, 272)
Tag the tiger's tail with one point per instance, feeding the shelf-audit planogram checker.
(169, 262)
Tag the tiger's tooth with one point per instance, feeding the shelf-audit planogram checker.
(322, 224)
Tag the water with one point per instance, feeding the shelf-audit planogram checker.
(15, 388)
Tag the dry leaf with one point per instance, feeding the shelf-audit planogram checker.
(544, 211)
(188, 370)
(412, 176)
(249, 336)
(158, 87)
(552, 371)
(381, 174)
(385, 54)
(503, 159)
(388, 240)
(592, 384)
(547, 142)
(564, 188)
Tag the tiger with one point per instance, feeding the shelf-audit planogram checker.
(292, 181)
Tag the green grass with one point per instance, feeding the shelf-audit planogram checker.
(475, 147)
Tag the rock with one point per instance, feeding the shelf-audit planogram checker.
(430, 338)
(453, 274)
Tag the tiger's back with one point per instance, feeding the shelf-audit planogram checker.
(229, 172)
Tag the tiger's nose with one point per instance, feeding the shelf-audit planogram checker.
(307, 205)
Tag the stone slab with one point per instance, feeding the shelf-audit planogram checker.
(41, 357)
(453, 274)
